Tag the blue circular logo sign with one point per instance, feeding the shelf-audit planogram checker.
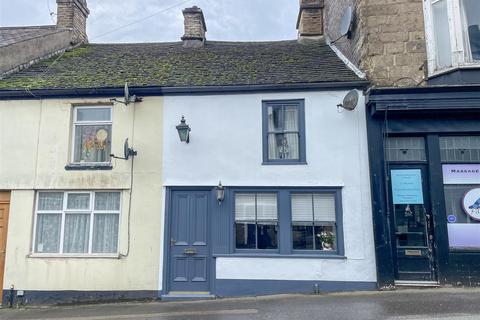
(471, 203)
(451, 218)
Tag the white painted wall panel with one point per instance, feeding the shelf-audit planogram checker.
(226, 144)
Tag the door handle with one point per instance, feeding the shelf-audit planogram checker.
(189, 252)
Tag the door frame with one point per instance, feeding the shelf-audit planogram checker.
(167, 235)
(424, 168)
(5, 200)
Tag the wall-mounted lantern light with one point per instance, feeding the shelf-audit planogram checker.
(220, 192)
(183, 131)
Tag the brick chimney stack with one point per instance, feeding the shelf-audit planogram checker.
(310, 19)
(72, 14)
(195, 27)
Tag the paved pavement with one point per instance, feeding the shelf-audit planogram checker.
(438, 304)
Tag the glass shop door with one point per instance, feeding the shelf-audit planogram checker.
(411, 223)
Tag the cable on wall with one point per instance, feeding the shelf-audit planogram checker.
(385, 170)
(124, 255)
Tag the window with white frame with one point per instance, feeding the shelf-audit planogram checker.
(92, 133)
(454, 26)
(77, 222)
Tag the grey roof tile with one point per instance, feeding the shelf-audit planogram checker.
(172, 65)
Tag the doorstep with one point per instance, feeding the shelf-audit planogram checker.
(187, 296)
(416, 284)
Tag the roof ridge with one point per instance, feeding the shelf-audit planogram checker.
(222, 42)
(48, 26)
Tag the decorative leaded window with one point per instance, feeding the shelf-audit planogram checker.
(460, 149)
(406, 149)
(284, 132)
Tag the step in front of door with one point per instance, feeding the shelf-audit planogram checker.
(187, 295)
(410, 284)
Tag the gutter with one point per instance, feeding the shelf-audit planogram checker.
(172, 91)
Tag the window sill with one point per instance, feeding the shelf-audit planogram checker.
(89, 166)
(282, 256)
(436, 73)
(74, 256)
(281, 163)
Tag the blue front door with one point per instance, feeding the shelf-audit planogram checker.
(189, 242)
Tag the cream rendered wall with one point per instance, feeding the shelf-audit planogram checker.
(35, 142)
(226, 144)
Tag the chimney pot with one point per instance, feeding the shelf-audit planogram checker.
(72, 14)
(310, 19)
(195, 27)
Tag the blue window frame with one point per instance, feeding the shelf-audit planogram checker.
(287, 221)
(284, 132)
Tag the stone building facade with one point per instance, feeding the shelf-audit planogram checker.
(387, 40)
(422, 61)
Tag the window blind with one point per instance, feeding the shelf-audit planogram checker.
(244, 207)
(324, 207)
(266, 206)
(302, 207)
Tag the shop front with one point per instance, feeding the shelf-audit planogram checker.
(424, 148)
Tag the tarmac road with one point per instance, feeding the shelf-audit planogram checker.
(438, 304)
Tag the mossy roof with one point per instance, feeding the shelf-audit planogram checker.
(172, 65)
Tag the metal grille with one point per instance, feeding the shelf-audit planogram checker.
(406, 149)
(460, 149)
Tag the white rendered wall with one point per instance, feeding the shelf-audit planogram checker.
(35, 139)
(226, 144)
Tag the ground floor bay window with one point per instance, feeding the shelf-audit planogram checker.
(76, 222)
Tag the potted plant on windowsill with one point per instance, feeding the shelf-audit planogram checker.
(327, 238)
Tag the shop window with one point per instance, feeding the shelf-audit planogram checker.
(406, 149)
(462, 204)
(283, 132)
(77, 222)
(92, 131)
(314, 222)
(455, 29)
(460, 149)
(256, 221)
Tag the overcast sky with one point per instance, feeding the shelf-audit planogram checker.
(226, 19)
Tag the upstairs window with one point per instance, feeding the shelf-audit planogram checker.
(455, 26)
(92, 130)
(283, 132)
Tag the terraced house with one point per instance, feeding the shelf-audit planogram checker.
(222, 169)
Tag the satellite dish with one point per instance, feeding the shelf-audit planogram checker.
(346, 23)
(126, 149)
(127, 152)
(350, 101)
(127, 98)
(126, 93)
